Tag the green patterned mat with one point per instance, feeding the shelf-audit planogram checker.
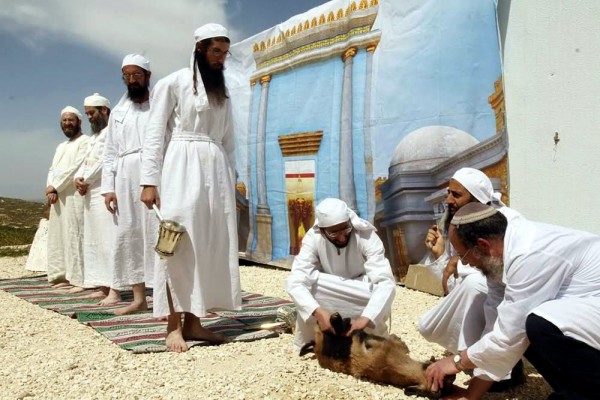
(140, 332)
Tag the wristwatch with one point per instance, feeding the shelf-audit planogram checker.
(457, 362)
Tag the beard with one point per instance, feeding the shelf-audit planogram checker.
(212, 78)
(137, 92)
(98, 124)
(70, 131)
(492, 267)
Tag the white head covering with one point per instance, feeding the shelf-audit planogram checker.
(96, 100)
(136, 59)
(71, 110)
(210, 31)
(478, 184)
(332, 211)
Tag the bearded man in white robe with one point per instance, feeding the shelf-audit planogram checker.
(98, 223)
(341, 268)
(547, 297)
(65, 225)
(459, 319)
(133, 257)
(197, 190)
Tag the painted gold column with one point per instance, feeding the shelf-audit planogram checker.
(264, 220)
(346, 175)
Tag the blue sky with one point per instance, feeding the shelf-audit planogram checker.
(54, 53)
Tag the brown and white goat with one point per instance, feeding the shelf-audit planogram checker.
(363, 355)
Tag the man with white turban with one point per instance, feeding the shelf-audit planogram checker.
(459, 320)
(341, 268)
(98, 223)
(197, 190)
(547, 303)
(65, 226)
(133, 257)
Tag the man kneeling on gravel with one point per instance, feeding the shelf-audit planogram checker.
(341, 268)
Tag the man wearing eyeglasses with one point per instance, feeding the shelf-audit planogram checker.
(191, 107)
(341, 268)
(459, 319)
(547, 302)
(134, 235)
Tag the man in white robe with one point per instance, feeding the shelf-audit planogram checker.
(459, 319)
(197, 190)
(97, 221)
(65, 225)
(135, 228)
(547, 298)
(341, 268)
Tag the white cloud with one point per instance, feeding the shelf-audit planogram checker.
(162, 31)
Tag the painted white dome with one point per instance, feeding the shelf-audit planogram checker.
(426, 147)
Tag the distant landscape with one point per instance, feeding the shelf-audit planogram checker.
(19, 220)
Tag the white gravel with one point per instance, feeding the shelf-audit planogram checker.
(44, 355)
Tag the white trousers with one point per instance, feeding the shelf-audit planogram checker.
(458, 320)
(334, 294)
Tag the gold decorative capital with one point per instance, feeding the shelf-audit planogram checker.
(265, 79)
(351, 52)
(371, 47)
(252, 82)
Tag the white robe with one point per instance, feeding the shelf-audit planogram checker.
(37, 260)
(98, 223)
(550, 271)
(198, 191)
(356, 282)
(65, 227)
(135, 227)
(459, 319)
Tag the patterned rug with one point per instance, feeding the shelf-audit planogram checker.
(140, 332)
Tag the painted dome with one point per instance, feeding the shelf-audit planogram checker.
(427, 147)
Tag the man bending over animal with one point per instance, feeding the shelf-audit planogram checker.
(341, 268)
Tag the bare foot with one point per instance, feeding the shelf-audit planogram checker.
(96, 294)
(113, 298)
(198, 332)
(76, 289)
(60, 285)
(132, 307)
(175, 341)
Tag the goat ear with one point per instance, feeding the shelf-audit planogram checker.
(307, 348)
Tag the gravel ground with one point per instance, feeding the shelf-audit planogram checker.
(44, 355)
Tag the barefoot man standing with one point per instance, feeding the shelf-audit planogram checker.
(133, 256)
(197, 189)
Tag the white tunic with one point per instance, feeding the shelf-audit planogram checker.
(360, 266)
(98, 223)
(37, 260)
(198, 191)
(548, 270)
(135, 226)
(459, 319)
(65, 227)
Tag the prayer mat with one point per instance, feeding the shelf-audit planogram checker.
(141, 332)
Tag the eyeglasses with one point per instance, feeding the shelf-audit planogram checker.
(135, 75)
(333, 235)
(219, 53)
(462, 258)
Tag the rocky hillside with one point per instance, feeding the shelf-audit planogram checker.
(18, 220)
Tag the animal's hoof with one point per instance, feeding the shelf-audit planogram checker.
(418, 391)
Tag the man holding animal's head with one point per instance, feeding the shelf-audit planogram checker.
(547, 298)
(341, 268)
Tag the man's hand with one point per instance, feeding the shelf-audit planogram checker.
(436, 372)
(358, 324)
(450, 270)
(51, 195)
(150, 196)
(81, 186)
(110, 201)
(323, 316)
(435, 241)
